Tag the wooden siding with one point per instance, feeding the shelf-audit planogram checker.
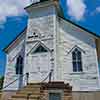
(68, 37)
(86, 95)
(98, 48)
(59, 37)
(10, 74)
(41, 29)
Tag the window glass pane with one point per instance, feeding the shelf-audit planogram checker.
(21, 60)
(74, 55)
(79, 66)
(40, 49)
(16, 69)
(76, 50)
(74, 66)
(21, 69)
(19, 65)
(79, 55)
(77, 60)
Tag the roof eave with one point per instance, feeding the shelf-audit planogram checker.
(17, 37)
(35, 4)
(60, 15)
(94, 34)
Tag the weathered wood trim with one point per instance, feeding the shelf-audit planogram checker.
(15, 40)
(98, 48)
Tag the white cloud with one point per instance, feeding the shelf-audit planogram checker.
(12, 8)
(98, 9)
(76, 9)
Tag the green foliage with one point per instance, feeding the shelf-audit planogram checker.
(1, 82)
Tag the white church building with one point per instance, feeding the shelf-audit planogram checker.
(51, 42)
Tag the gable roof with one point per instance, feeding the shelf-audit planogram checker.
(81, 27)
(59, 13)
(35, 3)
(38, 44)
(15, 39)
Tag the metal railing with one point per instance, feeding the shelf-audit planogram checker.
(26, 75)
(27, 79)
(48, 76)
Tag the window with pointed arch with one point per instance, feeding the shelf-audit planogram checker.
(19, 65)
(77, 60)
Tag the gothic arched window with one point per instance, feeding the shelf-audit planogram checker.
(19, 65)
(77, 60)
(40, 49)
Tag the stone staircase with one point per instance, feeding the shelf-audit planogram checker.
(29, 92)
(40, 91)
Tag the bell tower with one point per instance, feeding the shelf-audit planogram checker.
(40, 40)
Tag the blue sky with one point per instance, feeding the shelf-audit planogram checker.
(13, 19)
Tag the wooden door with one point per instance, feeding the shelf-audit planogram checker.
(40, 66)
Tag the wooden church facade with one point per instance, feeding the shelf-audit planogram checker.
(52, 43)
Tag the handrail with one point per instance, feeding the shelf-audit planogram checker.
(14, 81)
(27, 80)
(27, 77)
(48, 76)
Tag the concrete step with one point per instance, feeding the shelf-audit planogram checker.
(18, 99)
(33, 84)
(27, 88)
(21, 99)
(35, 91)
(26, 96)
(31, 87)
(28, 92)
(32, 95)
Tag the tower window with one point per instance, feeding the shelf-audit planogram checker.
(77, 60)
(40, 49)
(19, 65)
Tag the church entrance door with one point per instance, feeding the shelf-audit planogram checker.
(40, 64)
